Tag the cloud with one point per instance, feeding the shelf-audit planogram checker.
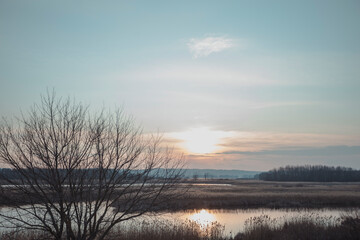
(268, 104)
(206, 46)
(266, 150)
(305, 151)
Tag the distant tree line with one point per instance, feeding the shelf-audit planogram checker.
(310, 173)
(17, 174)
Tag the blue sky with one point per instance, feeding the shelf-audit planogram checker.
(274, 82)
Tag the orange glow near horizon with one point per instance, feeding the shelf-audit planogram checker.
(201, 140)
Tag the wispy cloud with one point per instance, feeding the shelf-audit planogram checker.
(305, 151)
(268, 104)
(202, 47)
(266, 150)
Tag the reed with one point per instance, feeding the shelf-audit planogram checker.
(305, 227)
(245, 194)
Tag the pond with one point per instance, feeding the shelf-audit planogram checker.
(234, 220)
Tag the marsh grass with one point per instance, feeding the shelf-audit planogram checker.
(164, 230)
(24, 235)
(245, 194)
(305, 227)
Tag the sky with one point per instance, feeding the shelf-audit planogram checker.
(249, 85)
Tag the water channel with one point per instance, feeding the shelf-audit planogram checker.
(233, 221)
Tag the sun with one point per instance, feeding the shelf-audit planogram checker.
(201, 140)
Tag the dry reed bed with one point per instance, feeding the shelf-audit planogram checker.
(306, 227)
(259, 194)
(235, 194)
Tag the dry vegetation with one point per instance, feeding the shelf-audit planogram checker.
(232, 194)
(307, 227)
(260, 194)
(243, 194)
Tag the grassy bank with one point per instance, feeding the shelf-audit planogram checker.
(235, 194)
(302, 228)
(257, 228)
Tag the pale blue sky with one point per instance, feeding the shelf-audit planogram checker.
(287, 69)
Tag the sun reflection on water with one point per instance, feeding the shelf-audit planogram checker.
(203, 218)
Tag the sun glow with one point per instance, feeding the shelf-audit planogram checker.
(201, 140)
(203, 218)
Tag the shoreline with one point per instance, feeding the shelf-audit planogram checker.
(255, 194)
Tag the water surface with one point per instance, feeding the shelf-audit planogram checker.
(234, 220)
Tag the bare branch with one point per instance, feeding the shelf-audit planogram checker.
(76, 175)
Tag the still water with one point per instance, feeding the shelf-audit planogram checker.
(234, 220)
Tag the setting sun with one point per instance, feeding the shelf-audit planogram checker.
(201, 140)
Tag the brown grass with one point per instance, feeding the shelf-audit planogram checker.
(143, 231)
(302, 228)
(246, 194)
(306, 227)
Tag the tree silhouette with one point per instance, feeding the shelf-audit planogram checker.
(312, 174)
(80, 174)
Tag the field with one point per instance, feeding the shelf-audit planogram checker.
(234, 194)
(246, 194)
(257, 228)
(243, 194)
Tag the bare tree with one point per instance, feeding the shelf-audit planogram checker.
(76, 175)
